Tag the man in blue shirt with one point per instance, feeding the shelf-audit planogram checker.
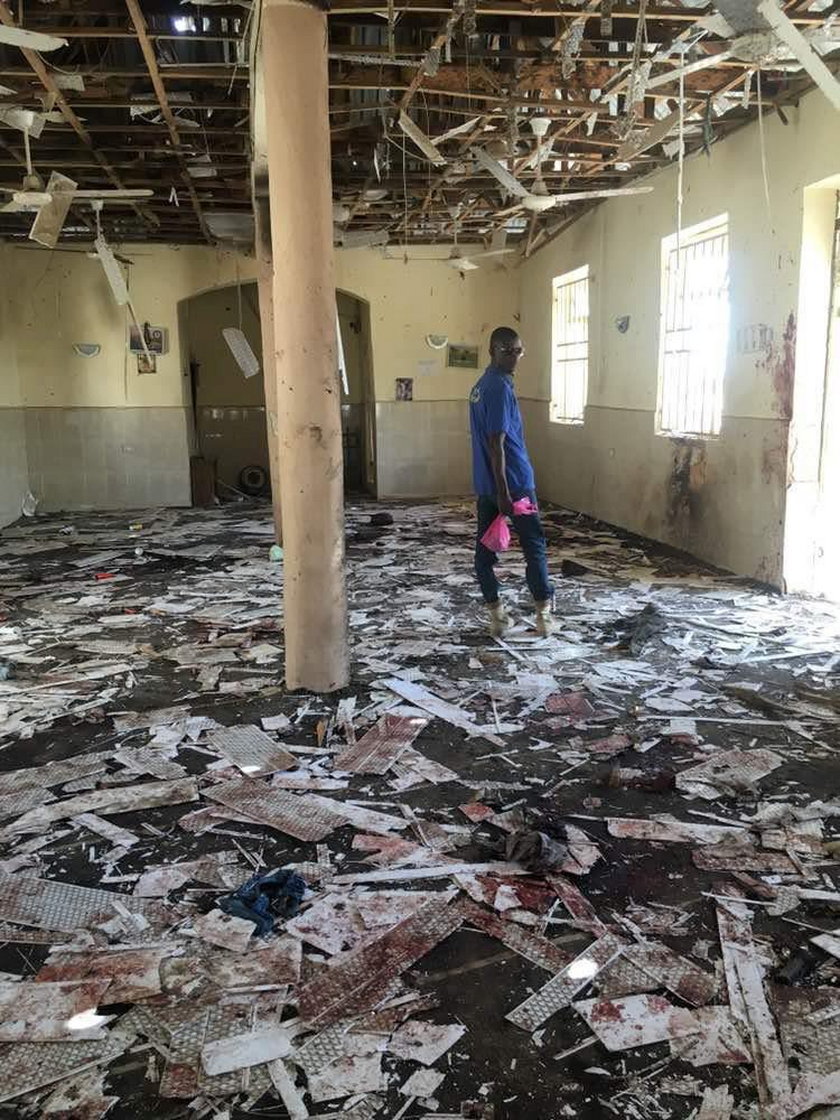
(502, 474)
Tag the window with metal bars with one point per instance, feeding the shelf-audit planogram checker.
(694, 330)
(569, 346)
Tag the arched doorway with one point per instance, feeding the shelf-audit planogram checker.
(229, 438)
(358, 415)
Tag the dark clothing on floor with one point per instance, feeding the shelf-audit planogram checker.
(528, 528)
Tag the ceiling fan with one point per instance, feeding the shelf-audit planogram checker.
(539, 199)
(51, 205)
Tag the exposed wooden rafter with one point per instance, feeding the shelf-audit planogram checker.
(148, 50)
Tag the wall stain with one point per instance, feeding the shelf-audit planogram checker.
(686, 480)
(780, 362)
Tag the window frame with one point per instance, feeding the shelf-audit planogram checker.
(688, 239)
(557, 413)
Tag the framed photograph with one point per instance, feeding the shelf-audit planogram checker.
(157, 339)
(405, 389)
(146, 365)
(462, 357)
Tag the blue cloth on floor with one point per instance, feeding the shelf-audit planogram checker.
(263, 899)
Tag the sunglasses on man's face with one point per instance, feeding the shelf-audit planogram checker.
(509, 348)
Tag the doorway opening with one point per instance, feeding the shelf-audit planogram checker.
(812, 530)
(229, 441)
(358, 416)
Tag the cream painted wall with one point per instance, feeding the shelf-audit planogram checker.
(723, 499)
(409, 300)
(74, 405)
(14, 469)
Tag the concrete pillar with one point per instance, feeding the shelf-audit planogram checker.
(308, 390)
(265, 289)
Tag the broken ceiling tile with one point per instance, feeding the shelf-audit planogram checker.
(562, 988)
(82, 1097)
(610, 746)
(283, 1079)
(424, 1042)
(354, 982)
(451, 713)
(300, 816)
(275, 963)
(720, 1041)
(580, 908)
(218, 869)
(741, 857)
(127, 799)
(134, 974)
(727, 772)
(423, 1084)
(242, 1051)
(828, 942)
(637, 1020)
(359, 816)
(32, 1065)
(253, 752)
(679, 832)
(358, 1070)
(748, 999)
(717, 1104)
(674, 972)
(224, 930)
(413, 767)
(63, 1011)
(150, 760)
(46, 904)
(54, 773)
(381, 746)
(812, 1090)
(119, 837)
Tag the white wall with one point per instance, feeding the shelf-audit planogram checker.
(722, 499)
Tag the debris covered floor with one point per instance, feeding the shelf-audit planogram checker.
(587, 876)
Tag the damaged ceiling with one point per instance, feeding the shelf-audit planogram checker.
(463, 121)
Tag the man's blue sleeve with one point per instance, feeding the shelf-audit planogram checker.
(497, 409)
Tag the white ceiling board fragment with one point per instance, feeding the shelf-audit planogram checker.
(30, 40)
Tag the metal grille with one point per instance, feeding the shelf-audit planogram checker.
(695, 330)
(570, 346)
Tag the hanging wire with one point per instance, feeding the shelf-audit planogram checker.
(763, 148)
(681, 158)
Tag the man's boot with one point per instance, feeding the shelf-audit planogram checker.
(545, 623)
(499, 619)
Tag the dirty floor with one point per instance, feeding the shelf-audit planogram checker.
(570, 877)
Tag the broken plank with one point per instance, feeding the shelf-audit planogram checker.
(451, 713)
(678, 832)
(437, 871)
(748, 999)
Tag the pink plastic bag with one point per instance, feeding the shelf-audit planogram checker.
(524, 506)
(497, 536)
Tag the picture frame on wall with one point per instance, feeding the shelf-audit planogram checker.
(404, 389)
(146, 364)
(157, 339)
(459, 356)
